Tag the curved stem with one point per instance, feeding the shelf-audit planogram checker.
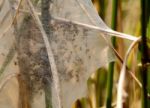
(122, 74)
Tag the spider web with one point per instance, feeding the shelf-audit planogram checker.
(78, 50)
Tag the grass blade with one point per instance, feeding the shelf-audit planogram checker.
(122, 75)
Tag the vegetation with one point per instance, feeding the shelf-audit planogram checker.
(120, 11)
(46, 54)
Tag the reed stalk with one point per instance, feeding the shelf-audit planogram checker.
(45, 17)
(144, 51)
(112, 64)
(102, 10)
(148, 36)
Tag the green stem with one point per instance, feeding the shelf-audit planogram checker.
(45, 5)
(102, 9)
(110, 84)
(144, 51)
(111, 65)
(147, 11)
(148, 36)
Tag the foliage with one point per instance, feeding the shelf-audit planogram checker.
(60, 43)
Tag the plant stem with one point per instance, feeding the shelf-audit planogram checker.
(45, 5)
(112, 64)
(144, 52)
(147, 11)
(110, 84)
(102, 6)
(148, 36)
